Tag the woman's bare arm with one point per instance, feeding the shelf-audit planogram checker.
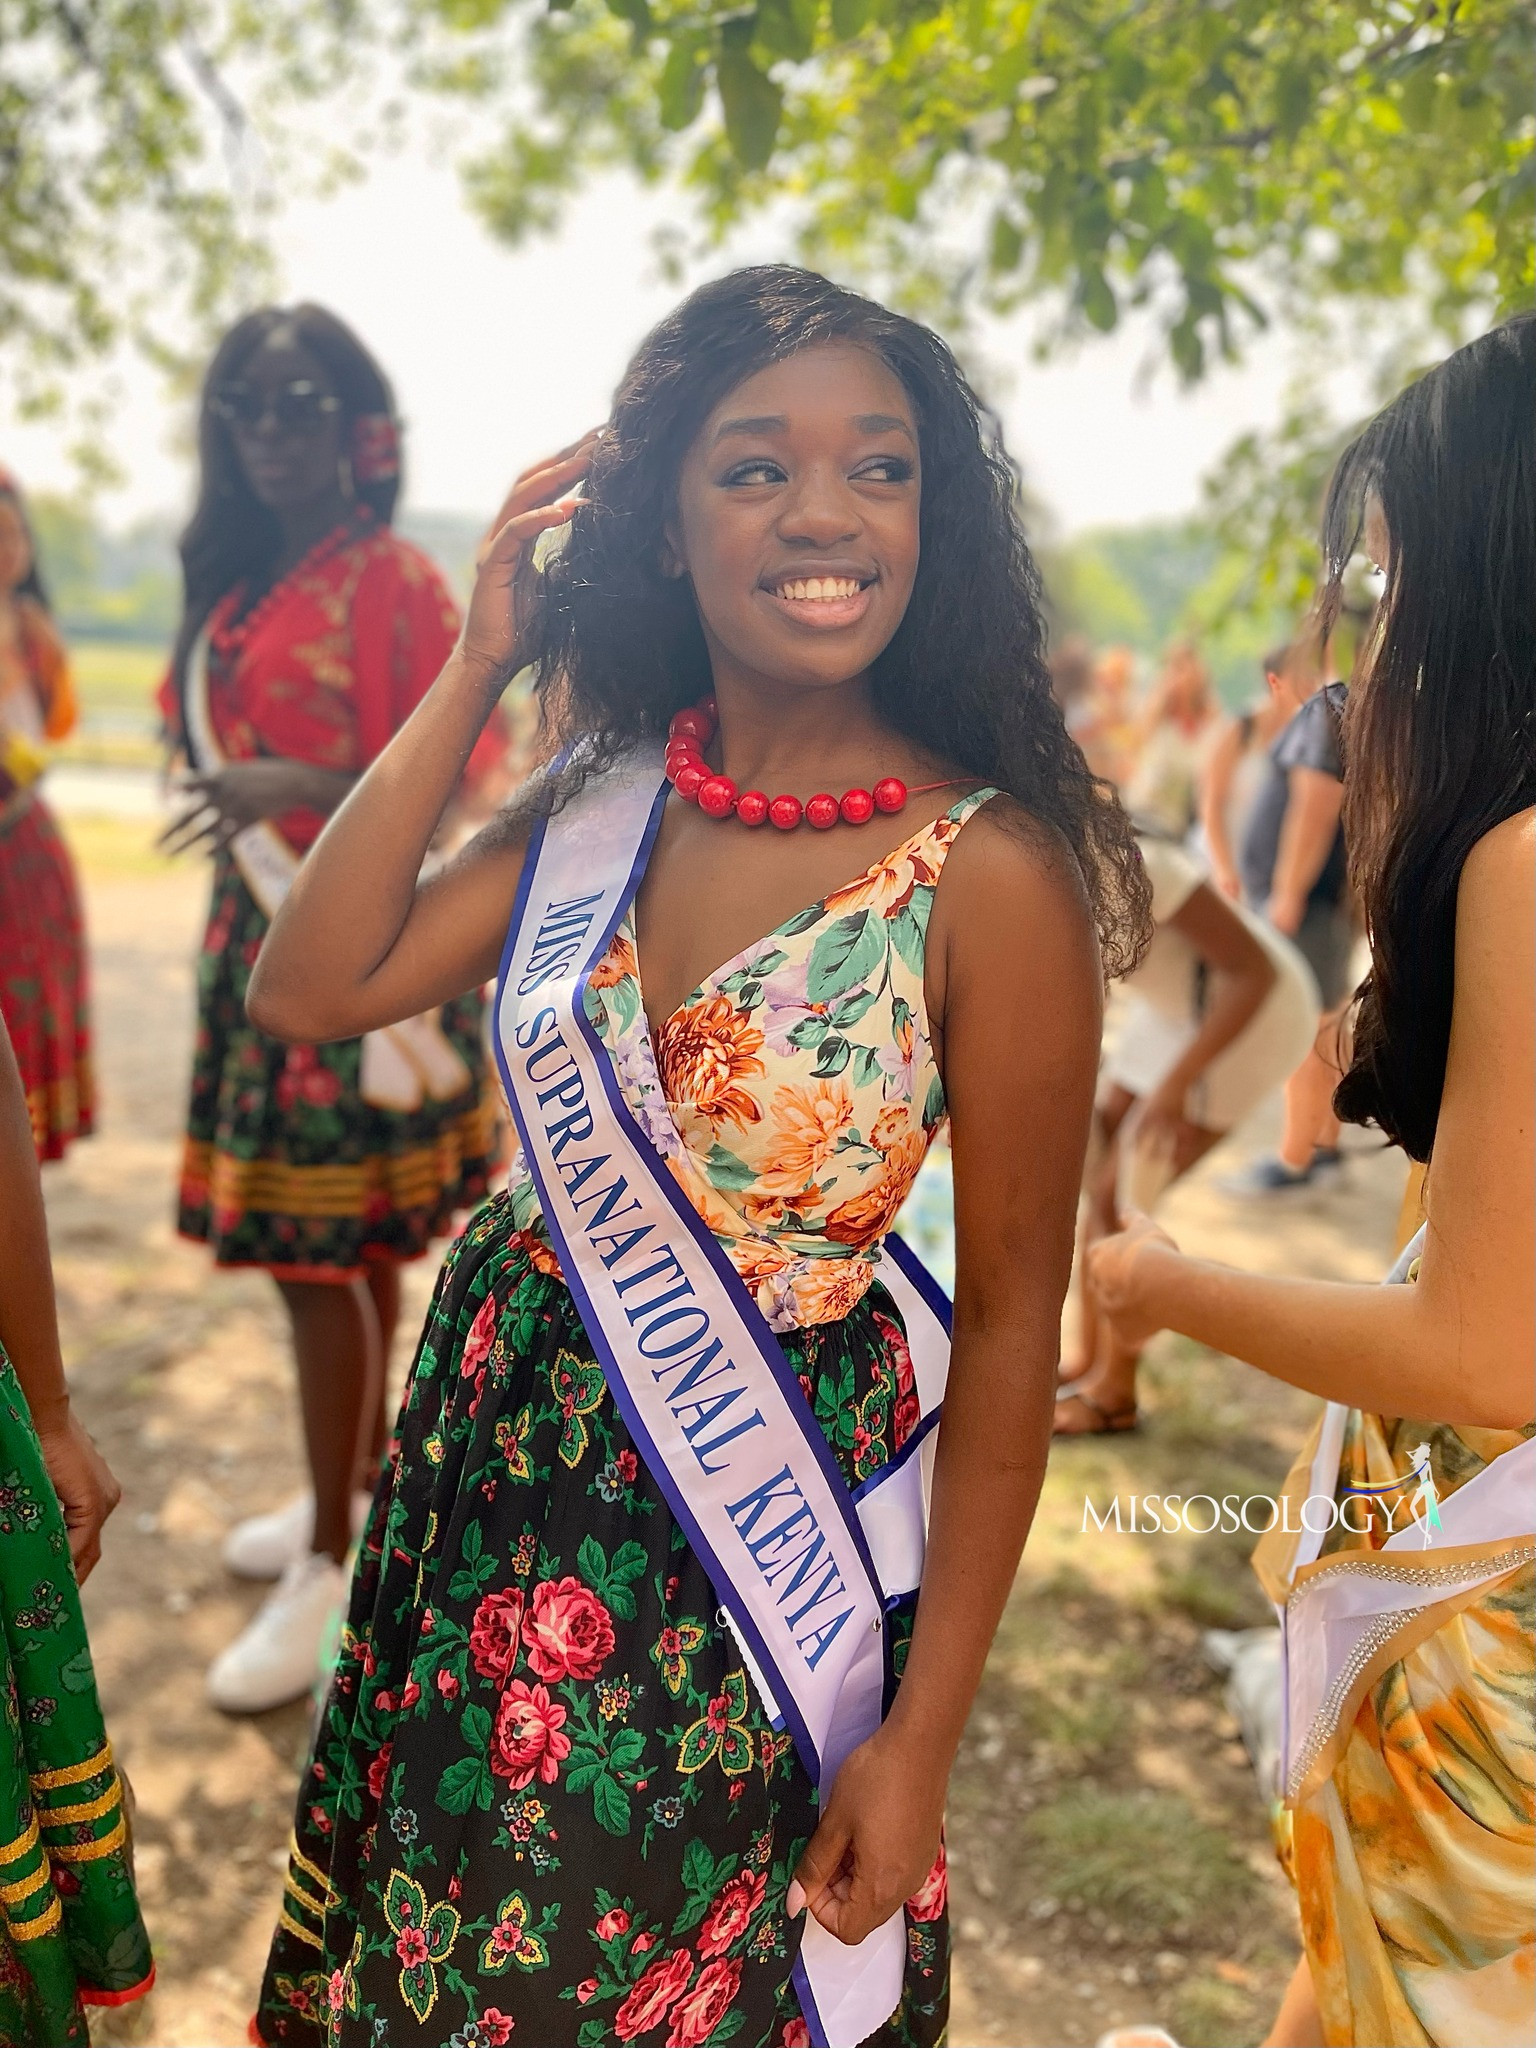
(1215, 790)
(29, 1329)
(1457, 1347)
(1021, 1009)
(360, 941)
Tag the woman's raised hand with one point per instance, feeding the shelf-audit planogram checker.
(499, 605)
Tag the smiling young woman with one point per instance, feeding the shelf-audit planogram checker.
(570, 1774)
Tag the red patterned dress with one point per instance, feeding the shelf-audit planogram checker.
(42, 934)
(286, 1165)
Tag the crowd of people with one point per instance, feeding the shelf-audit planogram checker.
(683, 1406)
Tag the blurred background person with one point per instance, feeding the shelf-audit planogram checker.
(1210, 1024)
(1108, 731)
(1161, 786)
(70, 1931)
(310, 632)
(42, 932)
(1236, 770)
(1071, 666)
(1410, 1774)
(1295, 874)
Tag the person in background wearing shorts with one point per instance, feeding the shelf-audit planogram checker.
(1294, 874)
(1219, 1012)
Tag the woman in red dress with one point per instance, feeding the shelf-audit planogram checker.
(310, 632)
(42, 938)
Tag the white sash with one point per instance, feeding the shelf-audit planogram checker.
(1341, 1617)
(401, 1065)
(803, 1569)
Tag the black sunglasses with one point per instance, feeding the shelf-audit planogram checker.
(300, 403)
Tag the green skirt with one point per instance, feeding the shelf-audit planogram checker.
(70, 1932)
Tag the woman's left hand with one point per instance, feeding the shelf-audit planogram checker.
(1118, 1270)
(877, 1841)
(240, 794)
(85, 1485)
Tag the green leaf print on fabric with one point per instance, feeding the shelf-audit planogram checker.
(424, 1937)
(720, 1732)
(512, 1940)
(907, 935)
(466, 1784)
(845, 954)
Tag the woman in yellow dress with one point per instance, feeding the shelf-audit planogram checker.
(1410, 1765)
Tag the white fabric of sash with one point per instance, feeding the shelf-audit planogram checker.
(401, 1064)
(803, 1569)
(1330, 1626)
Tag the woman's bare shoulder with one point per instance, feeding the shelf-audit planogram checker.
(1502, 865)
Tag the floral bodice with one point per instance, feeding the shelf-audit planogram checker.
(794, 1094)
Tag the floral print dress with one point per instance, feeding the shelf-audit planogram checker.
(544, 1798)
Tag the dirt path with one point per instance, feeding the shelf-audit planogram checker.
(1110, 1851)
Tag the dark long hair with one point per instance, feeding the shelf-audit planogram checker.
(617, 644)
(32, 584)
(1440, 731)
(231, 537)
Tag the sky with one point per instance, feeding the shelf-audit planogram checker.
(499, 355)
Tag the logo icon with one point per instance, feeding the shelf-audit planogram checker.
(1424, 1508)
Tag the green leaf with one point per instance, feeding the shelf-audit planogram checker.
(1097, 299)
(852, 1008)
(846, 952)
(933, 1103)
(681, 91)
(473, 1543)
(584, 1767)
(465, 1784)
(593, 2033)
(626, 1748)
(475, 1726)
(729, 1172)
(592, 1562)
(850, 16)
(77, 1675)
(620, 1599)
(907, 937)
(786, 28)
(629, 1562)
(751, 101)
(833, 1057)
(610, 1803)
(808, 1033)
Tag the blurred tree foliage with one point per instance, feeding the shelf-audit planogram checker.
(1217, 163)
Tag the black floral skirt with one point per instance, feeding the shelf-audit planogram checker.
(285, 1165)
(544, 1793)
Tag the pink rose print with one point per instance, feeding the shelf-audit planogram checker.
(567, 1630)
(586, 1991)
(929, 1901)
(527, 1742)
(697, 2014)
(612, 1925)
(493, 1634)
(477, 1345)
(646, 2005)
(378, 1771)
(731, 1914)
(796, 2035)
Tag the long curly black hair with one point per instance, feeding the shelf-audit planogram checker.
(1440, 729)
(617, 647)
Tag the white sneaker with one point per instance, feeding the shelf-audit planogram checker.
(263, 1546)
(277, 1656)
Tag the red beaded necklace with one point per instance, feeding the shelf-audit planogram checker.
(691, 731)
(229, 638)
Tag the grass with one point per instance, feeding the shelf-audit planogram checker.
(111, 849)
(119, 727)
(1145, 1858)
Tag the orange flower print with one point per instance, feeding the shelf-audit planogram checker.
(826, 1290)
(757, 1258)
(891, 1126)
(888, 884)
(807, 1123)
(703, 1055)
(871, 1212)
(617, 964)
